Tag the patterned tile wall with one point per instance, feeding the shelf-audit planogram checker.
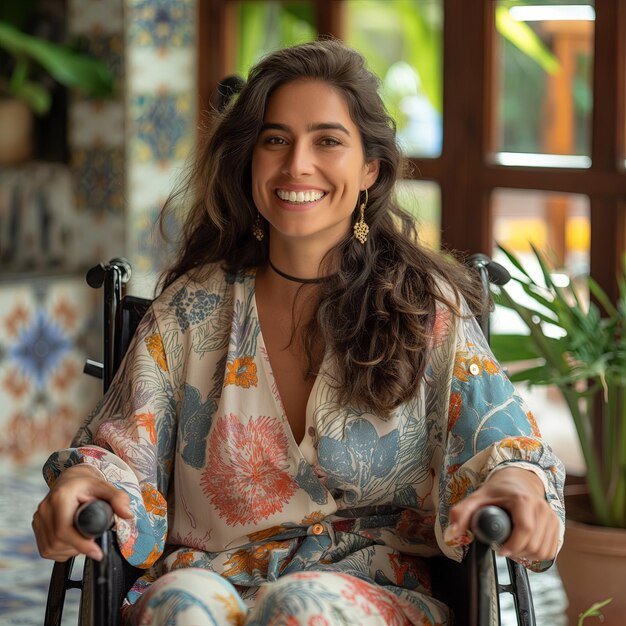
(47, 330)
(97, 132)
(161, 118)
(126, 155)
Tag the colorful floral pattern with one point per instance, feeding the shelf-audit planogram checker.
(252, 459)
(241, 372)
(358, 497)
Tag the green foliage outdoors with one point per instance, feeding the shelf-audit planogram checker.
(581, 349)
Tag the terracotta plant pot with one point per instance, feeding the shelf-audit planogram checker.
(592, 565)
(16, 130)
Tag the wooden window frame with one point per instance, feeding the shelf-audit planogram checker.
(464, 170)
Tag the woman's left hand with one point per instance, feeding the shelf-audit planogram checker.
(536, 527)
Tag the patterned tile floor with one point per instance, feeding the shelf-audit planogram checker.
(24, 576)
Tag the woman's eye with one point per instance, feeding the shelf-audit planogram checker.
(330, 141)
(275, 141)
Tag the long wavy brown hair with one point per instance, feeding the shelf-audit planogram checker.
(376, 313)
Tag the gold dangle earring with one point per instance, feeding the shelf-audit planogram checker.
(257, 228)
(361, 229)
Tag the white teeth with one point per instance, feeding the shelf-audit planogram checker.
(299, 196)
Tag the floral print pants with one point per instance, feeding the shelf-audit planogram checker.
(196, 597)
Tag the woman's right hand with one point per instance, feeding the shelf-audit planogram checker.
(53, 522)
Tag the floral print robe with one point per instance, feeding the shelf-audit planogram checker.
(193, 429)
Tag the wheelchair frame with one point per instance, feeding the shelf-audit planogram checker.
(469, 588)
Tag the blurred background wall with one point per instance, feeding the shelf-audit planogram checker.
(88, 193)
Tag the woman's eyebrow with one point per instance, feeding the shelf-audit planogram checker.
(310, 127)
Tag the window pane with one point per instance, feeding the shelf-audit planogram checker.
(555, 223)
(542, 96)
(402, 42)
(263, 27)
(558, 225)
(422, 199)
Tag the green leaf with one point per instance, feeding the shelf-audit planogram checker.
(509, 348)
(524, 38)
(539, 375)
(513, 261)
(601, 296)
(593, 611)
(36, 96)
(69, 68)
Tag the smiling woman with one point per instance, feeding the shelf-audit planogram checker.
(308, 408)
(308, 172)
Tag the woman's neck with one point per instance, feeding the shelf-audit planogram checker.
(301, 264)
(296, 279)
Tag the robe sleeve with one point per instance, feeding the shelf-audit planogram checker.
(487, 427)
(130, 439)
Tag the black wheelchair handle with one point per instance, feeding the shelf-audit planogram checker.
(92, 519)
(491, 525)
(498, 275)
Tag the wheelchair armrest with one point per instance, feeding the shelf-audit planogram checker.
(93, 368)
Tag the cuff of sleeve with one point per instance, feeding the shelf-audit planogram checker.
(93, 465)
(531, 467)
(551, 497)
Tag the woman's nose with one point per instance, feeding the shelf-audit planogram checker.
(298, 161)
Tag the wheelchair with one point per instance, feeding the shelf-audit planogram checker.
(469, 588)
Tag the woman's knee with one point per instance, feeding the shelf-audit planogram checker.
(188, 596)
(324, 598)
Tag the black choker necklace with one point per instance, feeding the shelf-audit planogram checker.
(295, 279)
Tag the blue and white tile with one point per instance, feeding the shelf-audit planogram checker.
(152, 70)
(160, 23)
(47, 326)
(97, 124)
(160, 127)
(99, 178)
(24, 576)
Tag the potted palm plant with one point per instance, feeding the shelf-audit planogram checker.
(25, 61)
(580, 347)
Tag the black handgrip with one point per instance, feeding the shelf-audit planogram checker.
(498, 275)
(93, 518)
(95, 276)
(491, 525)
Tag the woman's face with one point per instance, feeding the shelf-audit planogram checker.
(308, 167)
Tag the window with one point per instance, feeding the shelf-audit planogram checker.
(570, 158)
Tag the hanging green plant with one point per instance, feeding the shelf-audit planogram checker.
(69, 68)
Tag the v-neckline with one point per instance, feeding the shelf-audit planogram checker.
(271, 379)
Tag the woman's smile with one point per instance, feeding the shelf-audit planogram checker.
(299, 197)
